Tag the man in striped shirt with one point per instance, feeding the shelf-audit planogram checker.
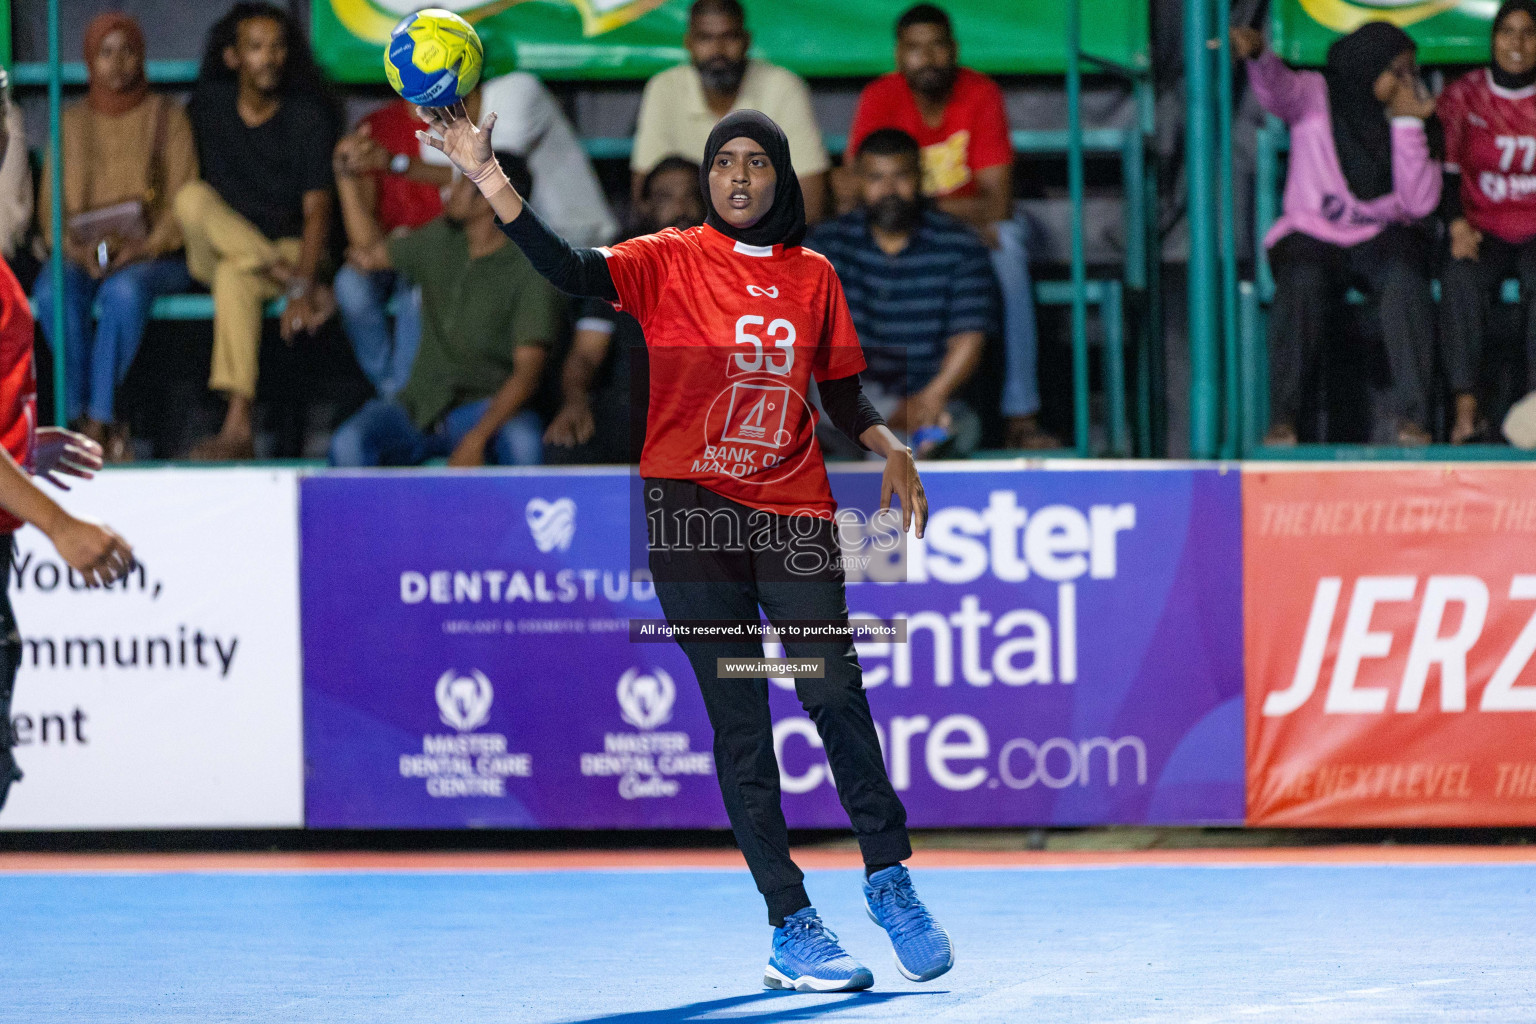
(922, 295)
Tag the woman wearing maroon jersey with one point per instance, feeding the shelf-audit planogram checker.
(738, 319)
(1489, 203)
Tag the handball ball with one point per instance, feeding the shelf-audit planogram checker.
(434, 58)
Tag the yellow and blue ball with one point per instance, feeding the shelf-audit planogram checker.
(434, 58)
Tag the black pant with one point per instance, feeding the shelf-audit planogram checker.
(731, 563)
(1311, 278)
(1467, 290)
(10, 661)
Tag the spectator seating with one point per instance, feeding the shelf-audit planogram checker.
(1253, 355)
(1107, 296)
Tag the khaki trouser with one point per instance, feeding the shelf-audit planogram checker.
(228, 254)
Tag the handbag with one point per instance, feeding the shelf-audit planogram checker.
(129, 220)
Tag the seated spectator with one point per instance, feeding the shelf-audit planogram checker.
(531, 124)
(258, 224)
(680, 105)
(487, 319)
(126, 152)
(597, 422)
(1360, 175)
(404, 193)
(959, 121)
(15, 177)
(1488, 203)
(921, 293)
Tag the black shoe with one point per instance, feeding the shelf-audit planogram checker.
(10, 772)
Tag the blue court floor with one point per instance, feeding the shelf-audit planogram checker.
(1307, 944)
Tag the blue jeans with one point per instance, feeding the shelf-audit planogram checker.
(362, 299)
(1010, 261)
(381, 434)
(95, 365)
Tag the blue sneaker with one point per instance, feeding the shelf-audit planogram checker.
(807, 958)
(923, 950)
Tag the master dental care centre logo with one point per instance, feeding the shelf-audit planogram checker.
(980, 640)
(552, 528)
(646, 762)
(465, 762)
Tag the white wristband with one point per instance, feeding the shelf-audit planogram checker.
(489, 178)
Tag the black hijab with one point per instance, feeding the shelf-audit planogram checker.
(784, 223)
(1361, 134)
(1501, 78)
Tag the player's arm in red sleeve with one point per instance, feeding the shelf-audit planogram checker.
(838, 353)
(640, 268)
(991, 160)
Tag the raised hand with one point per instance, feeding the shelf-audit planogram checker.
(457, 137)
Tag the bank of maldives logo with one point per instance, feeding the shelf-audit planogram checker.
(464, 702)
(552, 523)
(645, 698)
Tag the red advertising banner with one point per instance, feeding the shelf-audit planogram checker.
(1390, 626)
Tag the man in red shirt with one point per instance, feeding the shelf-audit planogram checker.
(958, 118)
(384, 155)
(98, 554)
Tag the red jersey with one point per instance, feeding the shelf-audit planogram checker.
(735, 334)
(18, 379)
(402, 203)
(1490, 136)
(972, 136)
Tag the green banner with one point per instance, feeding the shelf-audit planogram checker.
(1447, 31)
(636, 38)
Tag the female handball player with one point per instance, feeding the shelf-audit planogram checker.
(738, 317)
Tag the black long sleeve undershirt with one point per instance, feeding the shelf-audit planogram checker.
(584, 272)
(580, 272)
(848, 407)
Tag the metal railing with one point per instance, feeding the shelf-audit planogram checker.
(1139, 274)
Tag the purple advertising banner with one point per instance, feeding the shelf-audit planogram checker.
(1074, 655)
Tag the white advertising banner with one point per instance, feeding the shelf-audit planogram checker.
(171, 699)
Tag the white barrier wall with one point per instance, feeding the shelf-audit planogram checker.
(172, 699)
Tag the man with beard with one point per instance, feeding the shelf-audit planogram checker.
(921, 293)
(959, 121)
(604, 383)
(681, 105)
(487, 320)
(258, 223)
